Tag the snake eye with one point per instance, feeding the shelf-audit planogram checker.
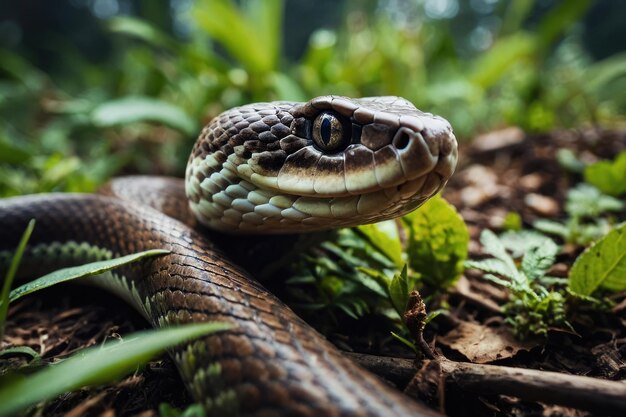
(328, 132)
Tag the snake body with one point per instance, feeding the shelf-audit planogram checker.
(263, 168)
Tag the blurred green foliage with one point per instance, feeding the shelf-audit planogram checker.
(138, 107)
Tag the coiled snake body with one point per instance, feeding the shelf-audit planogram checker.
(263, 168)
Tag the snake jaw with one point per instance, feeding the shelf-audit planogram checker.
(255, 168)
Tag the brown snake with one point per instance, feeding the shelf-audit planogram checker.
(264, 168)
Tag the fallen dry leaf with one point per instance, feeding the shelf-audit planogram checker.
(484, 344)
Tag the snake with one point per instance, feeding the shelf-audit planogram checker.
(259, 169)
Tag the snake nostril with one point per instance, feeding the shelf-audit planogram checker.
(401, 140)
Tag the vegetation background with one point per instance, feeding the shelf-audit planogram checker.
(94, 88)
(90, 89)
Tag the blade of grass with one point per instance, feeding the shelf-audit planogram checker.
(8, 279)
(97, 365)
(74, 272)
(21, 350)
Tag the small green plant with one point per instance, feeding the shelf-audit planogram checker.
(532, 308)
(608, 176)
(373, 268)
(586, 208)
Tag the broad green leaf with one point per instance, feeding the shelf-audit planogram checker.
(601, 265)
(143, 109)
(399, 289)
(437, 244)
(608, 176)
(390, 246)
(81, 271)
(5, 296)
(97, 365)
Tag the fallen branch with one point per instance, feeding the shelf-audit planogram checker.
(586, 393)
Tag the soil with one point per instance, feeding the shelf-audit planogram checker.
(502, 172)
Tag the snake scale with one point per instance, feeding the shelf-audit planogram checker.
(278, 167)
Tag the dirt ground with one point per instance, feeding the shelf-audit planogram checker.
(501, 172)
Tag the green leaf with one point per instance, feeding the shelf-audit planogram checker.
(143, 109)
(520, 242)
(539, 259)
(389, 245)
(551, 227)
(437, 244)
(5, 297)
(21, 350)
(141, 30)
(505, 54)
(601, 265)
(494, 246)
(97, 365)
(399, 289)
(250, 33)
(67, 274)
(404, 341)
(587, 201)
(512, 221)
(608, 176)
(491, 265)
(567, 160)
(13, 153)
(559, 19)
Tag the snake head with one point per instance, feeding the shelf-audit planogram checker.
(286, 167)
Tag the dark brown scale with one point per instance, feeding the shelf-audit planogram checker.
(259, 126)
(280, 130)
(268, 163)
(292, 144)
(271, 120)
(267, 137)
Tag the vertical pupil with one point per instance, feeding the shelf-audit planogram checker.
(325, 129)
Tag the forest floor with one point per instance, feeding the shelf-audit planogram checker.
(501, 172)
